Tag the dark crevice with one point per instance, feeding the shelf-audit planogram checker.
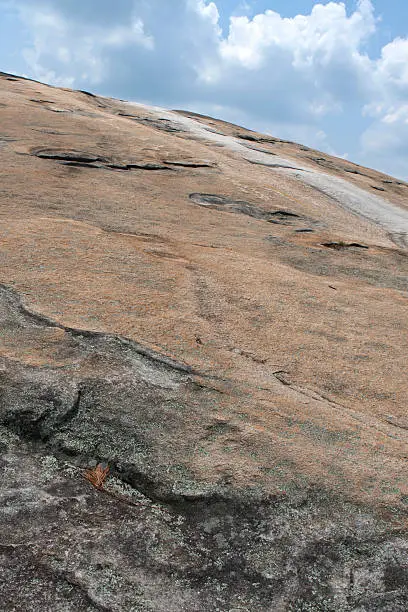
(147, 166)
(189, 164)
(68, 156)
(283, 377)
(55, 412)
(252, 138)
(87, 93)
(82, 159)
(41, 101)
(271, 165)
(339, 246)
(282, 215)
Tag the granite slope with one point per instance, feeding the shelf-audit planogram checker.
(218, 316)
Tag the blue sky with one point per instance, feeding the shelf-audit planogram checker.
(331, 75)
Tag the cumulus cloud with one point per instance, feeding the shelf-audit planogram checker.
(310, 40)
(71, 44)
(308, 78)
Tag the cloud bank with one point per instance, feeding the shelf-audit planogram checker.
(309, 78)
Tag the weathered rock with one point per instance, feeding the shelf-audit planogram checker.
(223, 203)
(247, 391)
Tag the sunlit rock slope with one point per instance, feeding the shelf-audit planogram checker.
(220, 317)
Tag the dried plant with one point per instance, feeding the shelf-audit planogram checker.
(97, 475)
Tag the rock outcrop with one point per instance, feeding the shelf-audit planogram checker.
(210, 325)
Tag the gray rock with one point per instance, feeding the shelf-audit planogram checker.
(155, 537)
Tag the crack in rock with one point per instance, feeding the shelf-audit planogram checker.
(340, 246)
(83, 159)
(272, 165)
(190, 164)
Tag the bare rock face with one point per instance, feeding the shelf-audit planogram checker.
(203, 337)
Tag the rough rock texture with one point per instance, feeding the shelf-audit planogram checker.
(220, 317)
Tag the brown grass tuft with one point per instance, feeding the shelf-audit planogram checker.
(97, 475)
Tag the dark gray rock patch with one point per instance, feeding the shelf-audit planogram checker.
(355, 263)
(355, 171)
(66, 546)
(320, 160)
(161, 124)
(117, 414)
(253, 138)
(226, 204)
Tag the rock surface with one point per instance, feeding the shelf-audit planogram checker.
(220, 318)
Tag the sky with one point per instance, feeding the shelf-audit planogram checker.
(330, 75)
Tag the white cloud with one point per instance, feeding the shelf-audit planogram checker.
(65, 49)
(208, 11)
(393, 65)
(309, 75)
(397, 115)
(121, 36)
(308, 40)
(384, 143)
